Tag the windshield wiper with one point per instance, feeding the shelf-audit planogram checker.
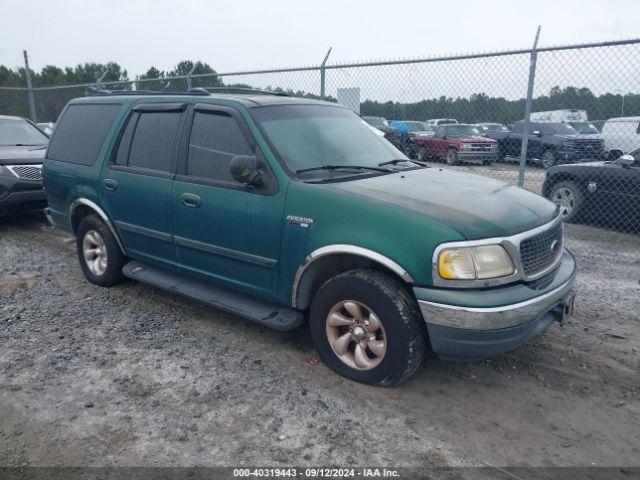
(395, 161)
(336, 167)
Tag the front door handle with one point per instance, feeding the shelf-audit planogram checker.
(190, 200)
(110, 184)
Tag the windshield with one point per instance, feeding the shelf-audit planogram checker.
(562, 129)
(308, 136)
(461, 130)
(15, 131)
(584, 127)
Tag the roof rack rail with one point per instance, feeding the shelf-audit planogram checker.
(231, 89)
(193, 91)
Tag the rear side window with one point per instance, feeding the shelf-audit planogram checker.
(517, 128)
(215, 139)
(148, 141)
(81, 131)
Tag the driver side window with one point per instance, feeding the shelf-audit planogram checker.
(215, 139)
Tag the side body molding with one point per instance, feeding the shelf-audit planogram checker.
(93, 206)
(349, 250)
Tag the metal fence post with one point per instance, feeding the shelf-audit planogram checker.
(189, 82)
(32, 101)
(99, 79)
(322, 73)
(527, 110)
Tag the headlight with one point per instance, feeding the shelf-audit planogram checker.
(466, 146)
(475, 263)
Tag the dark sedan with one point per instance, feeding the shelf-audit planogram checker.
(22, 148)
(604, 191)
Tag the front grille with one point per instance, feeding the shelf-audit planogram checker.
(586, 148)
(27, 172)
(541, 251)
(481, 147)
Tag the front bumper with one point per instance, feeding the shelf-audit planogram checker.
(478, 156)
(475, 324)
(21, 195)
(580, 155)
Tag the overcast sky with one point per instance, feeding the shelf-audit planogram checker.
(240, 35)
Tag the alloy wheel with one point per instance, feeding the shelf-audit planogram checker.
(94, 251)
(565, 199)
(356, 335)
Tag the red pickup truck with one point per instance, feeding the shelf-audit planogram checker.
(457, 143)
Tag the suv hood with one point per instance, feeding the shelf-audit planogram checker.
(477, 207)
(26, 155)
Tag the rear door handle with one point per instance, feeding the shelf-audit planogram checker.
(190, 200)
(110, 184)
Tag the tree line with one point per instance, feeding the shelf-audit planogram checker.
(478, 107)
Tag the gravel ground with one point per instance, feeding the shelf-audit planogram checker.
(134, 376)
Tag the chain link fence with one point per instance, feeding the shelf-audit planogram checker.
(467, 112)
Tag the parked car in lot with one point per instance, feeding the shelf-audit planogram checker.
(494, 127)
(281, 209)
(380, 123)
(457, 143)
(46, 127)
(441, 121)
(621, 133)
(549, 143)
(404, 132)
(22, 147)
(605, 190)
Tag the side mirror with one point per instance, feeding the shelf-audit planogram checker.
(614, 154)
(625, 161)
(244, 169)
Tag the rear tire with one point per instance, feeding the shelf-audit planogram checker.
(569, 197)
(100, 256)
(368, 328)
(422, 154)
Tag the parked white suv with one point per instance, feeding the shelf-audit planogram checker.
(442, 121)
(621, 133)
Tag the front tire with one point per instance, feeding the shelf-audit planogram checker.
(368, 328)
(452, 157)
(548, 158)
(99, 253)
(570, 199)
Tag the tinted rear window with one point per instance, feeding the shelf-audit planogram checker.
(81, 131)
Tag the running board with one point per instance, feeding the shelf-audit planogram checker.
(263, 312)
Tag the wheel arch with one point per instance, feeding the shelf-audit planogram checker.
(326, 262)
(557, 178)
(81, 207)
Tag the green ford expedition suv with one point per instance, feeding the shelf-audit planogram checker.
(280, 209)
